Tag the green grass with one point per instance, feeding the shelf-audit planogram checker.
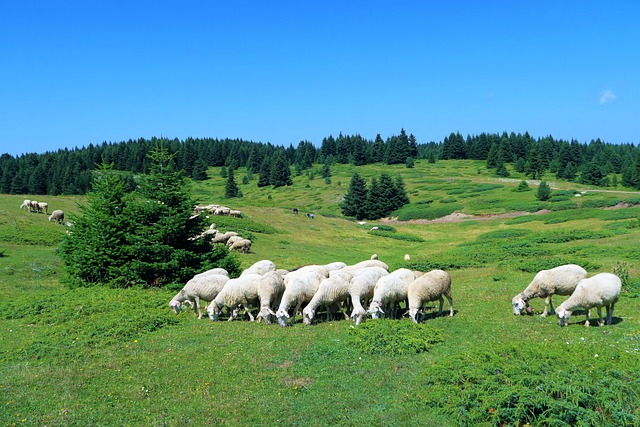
(121, 357)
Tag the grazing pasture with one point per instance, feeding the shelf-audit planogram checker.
(103, 356)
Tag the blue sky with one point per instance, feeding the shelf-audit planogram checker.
(74, 73)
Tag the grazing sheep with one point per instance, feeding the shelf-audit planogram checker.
(361, 289)
(216, 270)
(362, 264)
(560, 280)
(223, 237)
(233, 238)
(34, 206)
(204, 288)
(237, 293)
(43, 207)
(242, 245)
(295, 210)
(600, 290)
(389, 291)
(331, 291)
(235, 213)
(270, 290)
(26, 204)
(310, 216)
(324, 270)
(57, 216)
(260, 267)
(430, 286)
(299, 290)
(407, 258)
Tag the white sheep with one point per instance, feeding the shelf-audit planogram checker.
(324, 270)
(560, 280)
(57, 216)
(204, 288)
(431, 286)
(299, 290)
(241, 245)
(223, 237)
(34, 206)
(260, 267)
(270, 290)
(389, 291)
(241, 292)
(26, 204)
(361, 289)
(407, 258)
(600, 290)
(236, 213)
(360, 265)
(43, 207)
(216, 270)
(331, 292)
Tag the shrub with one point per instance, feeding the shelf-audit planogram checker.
(395, 337)
(544, 191)
(397, 236)
(415, 212)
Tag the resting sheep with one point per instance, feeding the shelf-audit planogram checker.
(300, 289)
(237, 293)
(57, 216)
(331, 292)
(204, 288)
(430, 286)
(560, 280)
(361, 289)
(600, 290)
(389, 291)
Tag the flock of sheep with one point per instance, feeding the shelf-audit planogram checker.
(368, 289)
(217, 210)
(280, 295)
(230, 238)
(38, 207)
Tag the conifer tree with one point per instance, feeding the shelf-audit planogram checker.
(280, 174)
(265, 173)
(355, 200)
(231, 189)
(544, 191)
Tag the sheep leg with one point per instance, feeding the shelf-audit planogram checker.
(551, 309)
(248, 311)
(196, 307)
(600, 322)
(609, 318)
(547, 303)
(441, 305)
(450, 305)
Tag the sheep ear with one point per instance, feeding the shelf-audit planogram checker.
(271, 312)
(380, 310)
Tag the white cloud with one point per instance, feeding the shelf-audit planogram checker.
(607, 96)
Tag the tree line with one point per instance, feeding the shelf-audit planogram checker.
(68, 171)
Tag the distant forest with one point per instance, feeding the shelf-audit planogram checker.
(68, 171)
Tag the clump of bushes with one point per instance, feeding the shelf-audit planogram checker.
(395, 337)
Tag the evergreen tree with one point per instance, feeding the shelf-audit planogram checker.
(409, 162)
(280, 174)
(199, 170)
(326, 169)
(355, 200)
(223, 171)
(544, 191)
(265, 173)
(594, 174)
(523, 186)
(400, 197)
(231, 189)
(375, 206)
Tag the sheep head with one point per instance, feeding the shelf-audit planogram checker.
(213, 311)
(375, 310)
(358, 314)
(283, 317)
(307, 315)
(518, 303)
(175, 305)
(563, 316)
(413, 313)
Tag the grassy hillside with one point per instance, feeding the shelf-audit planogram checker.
(114, 357)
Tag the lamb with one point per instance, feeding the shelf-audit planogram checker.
(204, 288)
(43, 207)
(242, 245)
(260, 267)
(430, 286)
(331, 291)
(560, 280)
(270, 290)
(26, 204)
(300, 289)
(57, 216)
(361, 289)
(390, 290)
(600, 290)
(240, 292)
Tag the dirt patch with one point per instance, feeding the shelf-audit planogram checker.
(460, 217)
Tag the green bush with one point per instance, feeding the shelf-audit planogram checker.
(230, 223)
(397, 236)
(395, 337)
(414, 212)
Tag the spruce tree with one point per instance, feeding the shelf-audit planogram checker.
(355, 200)
(265, 172)
(376, 205)
(231, 189)
(544, 191)
(280, 174)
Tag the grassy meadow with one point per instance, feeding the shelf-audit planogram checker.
(105, 357)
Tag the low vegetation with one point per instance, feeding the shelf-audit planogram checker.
(72, 356)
